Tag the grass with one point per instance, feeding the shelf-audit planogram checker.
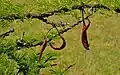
(100, 60)
(103, 34)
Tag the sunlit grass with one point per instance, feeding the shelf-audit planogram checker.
(103, 34)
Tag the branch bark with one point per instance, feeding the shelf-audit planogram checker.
(47, 14)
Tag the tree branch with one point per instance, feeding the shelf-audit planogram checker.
(47, 14)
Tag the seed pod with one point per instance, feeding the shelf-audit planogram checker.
(43, 46)
(61, 47)
(84, 37)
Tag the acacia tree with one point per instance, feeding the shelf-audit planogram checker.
(24, 63)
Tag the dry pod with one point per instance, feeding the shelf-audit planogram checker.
(43, 46)
(84, 36)
(61, 47)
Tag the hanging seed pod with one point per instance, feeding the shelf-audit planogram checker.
(43, 46)
(61, 47)
(84, 36)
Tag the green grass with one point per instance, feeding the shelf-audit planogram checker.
(103, 58)
(103, 34)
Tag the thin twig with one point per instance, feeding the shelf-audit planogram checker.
(67, 69)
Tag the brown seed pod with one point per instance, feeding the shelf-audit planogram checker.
(84, 36)
(61, 47)
(43, 46)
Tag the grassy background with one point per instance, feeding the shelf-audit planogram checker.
(103, 34)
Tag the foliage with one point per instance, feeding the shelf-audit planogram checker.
(7, 8)
(101, 60)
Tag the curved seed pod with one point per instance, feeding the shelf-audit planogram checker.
(61, 47)
(84, 37)
(42, 48)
